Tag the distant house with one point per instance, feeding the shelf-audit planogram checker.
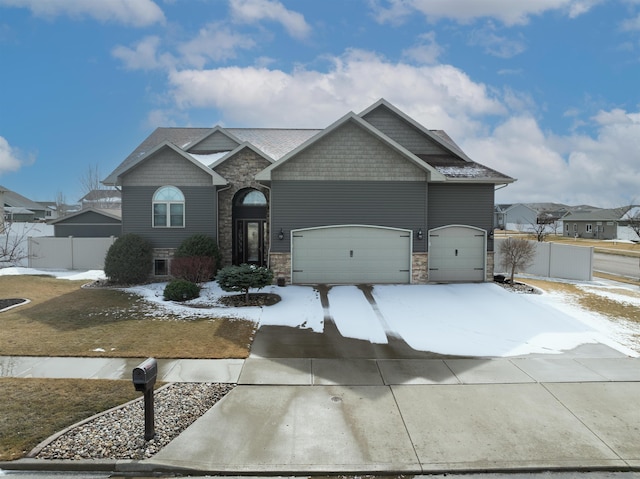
(18, 208)
(374, 197)
(102, 199)
(515, 217)
(605, 224)
(89, 223)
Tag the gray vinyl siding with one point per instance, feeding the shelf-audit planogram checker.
(402, 132)
(215, 143)
(461, 204)
(306, 204)
(166, 167)
(94, 230)
(200, 214)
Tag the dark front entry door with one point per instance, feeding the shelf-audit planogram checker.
(249, 241)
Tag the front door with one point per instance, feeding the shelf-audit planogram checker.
(249, 227)
(250, 241)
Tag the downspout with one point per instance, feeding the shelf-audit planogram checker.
(217, 212)
(269, 221)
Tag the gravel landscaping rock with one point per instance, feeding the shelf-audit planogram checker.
(119, 433)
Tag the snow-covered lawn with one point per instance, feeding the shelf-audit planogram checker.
(461, 319)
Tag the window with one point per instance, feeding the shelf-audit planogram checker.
(589, 228)
(168, 208)
(160, 267)
(252, 198)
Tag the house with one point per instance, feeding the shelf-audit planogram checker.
(102, 199)
(18, 208)
(604, 224)
(518, 216)
(89, 223)
(374, 197)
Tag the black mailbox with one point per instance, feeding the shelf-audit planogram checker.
(144, 376)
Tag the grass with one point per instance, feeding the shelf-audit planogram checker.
(34, 409)
(64, 319)
(592, 301)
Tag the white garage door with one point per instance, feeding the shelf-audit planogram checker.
(351, 255)
(457, 253)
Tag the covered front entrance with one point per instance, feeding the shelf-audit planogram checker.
(249, 227)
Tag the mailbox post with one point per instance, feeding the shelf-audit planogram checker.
(144, 378)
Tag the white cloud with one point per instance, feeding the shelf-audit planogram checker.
(253, 11)
(631, 24)
(509, 12)
(144, 55)
(494, 44)
(138, 13)
(426, 51)
(440, 96)
(602, 170)
(11, 159)
(214, 42)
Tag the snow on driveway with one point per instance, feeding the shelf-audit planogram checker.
(480, 319)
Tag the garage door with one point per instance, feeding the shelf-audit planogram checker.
(457, 253)
(350, 255)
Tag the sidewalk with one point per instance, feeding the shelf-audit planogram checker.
(412, 416)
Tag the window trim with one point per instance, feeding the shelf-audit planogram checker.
(168, 203)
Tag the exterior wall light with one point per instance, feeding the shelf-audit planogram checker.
(281, 235)
(420, 234)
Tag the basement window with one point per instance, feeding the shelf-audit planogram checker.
(160, 267)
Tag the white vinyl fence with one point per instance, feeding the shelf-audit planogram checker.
(68, 253)
(555, 260)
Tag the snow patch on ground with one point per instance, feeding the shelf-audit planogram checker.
(459, 319)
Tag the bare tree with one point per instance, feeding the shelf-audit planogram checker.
(90, 179)
(632, 217)
(91, 185)
(516, 255)
(61, 204)
(13, 245)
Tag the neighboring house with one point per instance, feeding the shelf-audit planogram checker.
(102, 199)
(51, 209)
(605, 224)
(375, 197)
(20, 208)
(516, 217)
(89, 223)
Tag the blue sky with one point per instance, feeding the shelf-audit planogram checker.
(545, 91)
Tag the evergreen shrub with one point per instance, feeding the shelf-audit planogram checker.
(128, 260)
(181, 290)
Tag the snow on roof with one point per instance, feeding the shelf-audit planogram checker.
(210, 158)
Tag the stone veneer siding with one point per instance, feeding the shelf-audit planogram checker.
(419, 273)
(162, 253)
(280, 264)
(239, 171)
(490, 265)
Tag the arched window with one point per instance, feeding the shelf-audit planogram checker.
(251, 198)
(168, 208)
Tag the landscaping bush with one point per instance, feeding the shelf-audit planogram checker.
(199, 245)
(196, 269)
(196, 259)
(244, 277)
(128, 260)
(181, 290)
